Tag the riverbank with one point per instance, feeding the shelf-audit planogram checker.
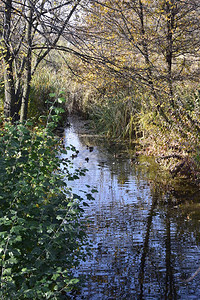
(174, 159)
(170, 133)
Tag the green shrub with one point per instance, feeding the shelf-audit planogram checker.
(41, 235)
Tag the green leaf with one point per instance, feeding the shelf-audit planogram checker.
(52, 95)
(61, 100)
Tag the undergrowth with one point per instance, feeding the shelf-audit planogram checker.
(42, 238)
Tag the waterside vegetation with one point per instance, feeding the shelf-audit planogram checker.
(42, 236)
(134, 72)
(132, 69)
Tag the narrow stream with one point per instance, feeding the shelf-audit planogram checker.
(145, 243)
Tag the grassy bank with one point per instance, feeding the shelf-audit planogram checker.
(133, 115)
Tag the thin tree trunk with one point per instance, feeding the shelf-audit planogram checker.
(9, 89)
(148, 63)
(9, 103)
(26, 89)
(169, 50)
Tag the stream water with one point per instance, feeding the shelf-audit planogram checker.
(145, 238)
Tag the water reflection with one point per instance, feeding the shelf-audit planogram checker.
(144, 243)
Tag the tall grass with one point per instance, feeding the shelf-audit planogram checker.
(44, 82)
(116, 117)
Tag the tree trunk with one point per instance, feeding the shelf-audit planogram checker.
(169, 50)
(26, 88)
(9, 103)
(148, 63)
(26, 91)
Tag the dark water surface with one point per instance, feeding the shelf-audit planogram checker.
(145, 243)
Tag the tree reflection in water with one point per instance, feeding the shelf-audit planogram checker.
(144, 245)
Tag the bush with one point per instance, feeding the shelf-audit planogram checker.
(41, 235)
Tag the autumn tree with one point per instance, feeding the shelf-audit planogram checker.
(29, 31)
(153, 44)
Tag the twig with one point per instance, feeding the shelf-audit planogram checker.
(177, 168)
(192, 277)
(171, 156)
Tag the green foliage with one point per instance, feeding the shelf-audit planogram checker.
(41, 235)
(44, 82)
